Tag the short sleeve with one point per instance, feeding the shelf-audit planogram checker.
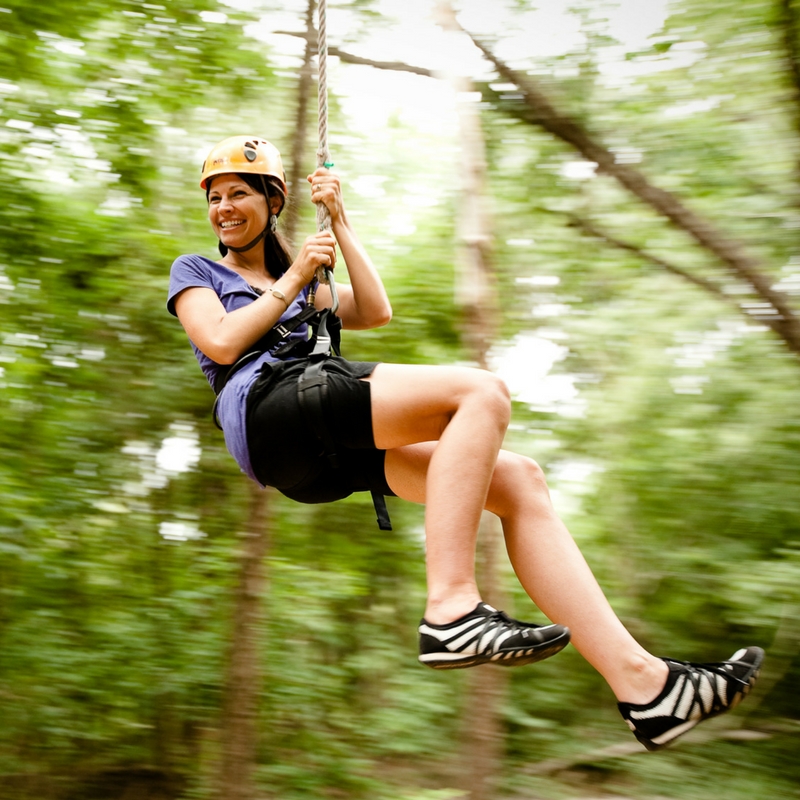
(185, 273)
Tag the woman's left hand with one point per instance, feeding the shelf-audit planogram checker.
(326, 188)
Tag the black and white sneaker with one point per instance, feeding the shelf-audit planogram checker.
(693, 693)
(488, 636)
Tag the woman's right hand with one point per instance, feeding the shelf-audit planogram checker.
(318, 250)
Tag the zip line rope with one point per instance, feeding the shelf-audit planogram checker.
(324, 275)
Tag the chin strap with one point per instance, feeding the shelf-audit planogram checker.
(250, 245)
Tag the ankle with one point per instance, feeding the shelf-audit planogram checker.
(642, 678)
(443, 610)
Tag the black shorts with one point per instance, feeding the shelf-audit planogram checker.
(285, 452)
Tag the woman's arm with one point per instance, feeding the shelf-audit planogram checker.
(364, 303)
(226, 336)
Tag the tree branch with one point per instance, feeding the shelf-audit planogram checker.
(536, 109)
(350, 58)
(709, 286)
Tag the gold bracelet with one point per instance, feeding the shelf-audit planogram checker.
(280, 295)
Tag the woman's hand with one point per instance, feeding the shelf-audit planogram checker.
(326, 188)
(318, 250)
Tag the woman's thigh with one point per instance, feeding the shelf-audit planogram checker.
(406, 470)
(414, 403)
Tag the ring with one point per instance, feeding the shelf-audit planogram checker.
(315, 187)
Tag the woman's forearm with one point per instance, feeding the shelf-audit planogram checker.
(370, 306)
(226, 336)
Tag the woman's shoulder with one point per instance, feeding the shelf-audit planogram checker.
(190, 271)
(195, 267)
(194, 262)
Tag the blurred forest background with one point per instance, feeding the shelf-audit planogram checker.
(167, 633)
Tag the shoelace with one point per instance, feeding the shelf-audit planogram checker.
(500, 622)
(721, 668)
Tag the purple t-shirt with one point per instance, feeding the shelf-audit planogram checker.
(234, 292)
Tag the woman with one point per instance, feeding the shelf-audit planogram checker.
(428, 434)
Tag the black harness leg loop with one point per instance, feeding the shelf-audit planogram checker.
(382, 512)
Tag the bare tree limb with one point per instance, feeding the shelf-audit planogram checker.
(590, 229)
(350, 58)
(537, 109)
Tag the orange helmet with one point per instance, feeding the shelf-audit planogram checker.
(244, 154)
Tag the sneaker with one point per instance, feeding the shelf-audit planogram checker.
(485, 636)
(693, 693)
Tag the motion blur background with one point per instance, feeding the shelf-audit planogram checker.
(632, 270)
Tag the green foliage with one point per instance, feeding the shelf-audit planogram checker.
(117, 569)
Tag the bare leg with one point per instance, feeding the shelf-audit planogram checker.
(466, 412)
(549, 565)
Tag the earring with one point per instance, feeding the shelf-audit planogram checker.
(273, 224)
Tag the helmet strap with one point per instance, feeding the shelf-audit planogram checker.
(249, 245)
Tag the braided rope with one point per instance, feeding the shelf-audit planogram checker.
(323, 154)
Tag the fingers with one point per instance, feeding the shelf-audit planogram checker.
(320, 250)
(321, 174)
(325, 187)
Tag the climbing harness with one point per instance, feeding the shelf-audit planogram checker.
(324, 338)
(323, 342)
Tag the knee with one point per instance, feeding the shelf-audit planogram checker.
(519, 486)
(531, 476)
(494, 397)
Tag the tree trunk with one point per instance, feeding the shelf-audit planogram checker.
(476, 296)
(242, 686)
(487, 687)
(295, 175)
(239, 734)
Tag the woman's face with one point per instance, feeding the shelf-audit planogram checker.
(237, 212)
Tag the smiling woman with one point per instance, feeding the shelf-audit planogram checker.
(318, 428)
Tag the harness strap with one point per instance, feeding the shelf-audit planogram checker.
(276, 334)
(312, 394)
(379, 501)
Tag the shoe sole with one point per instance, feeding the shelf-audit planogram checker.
(751, 677)
(512, 658)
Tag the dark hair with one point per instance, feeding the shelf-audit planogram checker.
(277, 254)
